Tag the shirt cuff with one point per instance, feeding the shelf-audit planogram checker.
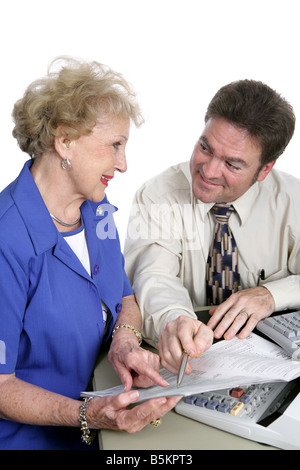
(285, 292)
(155, 325)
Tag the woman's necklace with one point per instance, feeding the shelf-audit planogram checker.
(64, 223)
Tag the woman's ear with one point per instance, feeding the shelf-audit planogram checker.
(61, 145)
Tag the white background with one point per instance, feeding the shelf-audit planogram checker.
(175, 53)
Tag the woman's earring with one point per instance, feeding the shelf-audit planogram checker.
(66, 164)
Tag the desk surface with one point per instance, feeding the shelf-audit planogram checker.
(175, 433)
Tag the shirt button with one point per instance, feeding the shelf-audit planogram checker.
(96, 269)
(118, 308)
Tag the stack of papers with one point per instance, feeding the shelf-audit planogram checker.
(226, 364)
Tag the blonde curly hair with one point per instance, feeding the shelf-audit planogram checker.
(69, 102)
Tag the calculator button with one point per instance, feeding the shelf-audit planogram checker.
(237, 392)
(190, 400)
(223, 408)
(237, 409)
(218, 398)
(201, 401)
(230, 402)
(212, 405)
(245, 399)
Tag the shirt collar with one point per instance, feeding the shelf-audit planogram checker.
(243, 205)
(33, 211)
(35, 214)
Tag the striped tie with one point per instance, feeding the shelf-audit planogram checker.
(222, 275)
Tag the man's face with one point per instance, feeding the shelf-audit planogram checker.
(225, 162)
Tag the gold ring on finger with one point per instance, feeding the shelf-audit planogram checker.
(156, 422)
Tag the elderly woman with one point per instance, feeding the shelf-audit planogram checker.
(63, 287)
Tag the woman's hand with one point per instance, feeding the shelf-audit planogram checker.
(112, 412)
(134, 365)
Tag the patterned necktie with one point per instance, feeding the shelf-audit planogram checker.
(222, 275)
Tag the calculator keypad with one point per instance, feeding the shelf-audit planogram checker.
(248, 402)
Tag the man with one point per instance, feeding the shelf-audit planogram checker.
(168, 258)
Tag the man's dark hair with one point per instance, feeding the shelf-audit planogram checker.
(262, 112)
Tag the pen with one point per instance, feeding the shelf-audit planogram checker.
(261, 277)
(182, 367)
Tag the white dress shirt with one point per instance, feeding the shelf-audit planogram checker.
(170, 232)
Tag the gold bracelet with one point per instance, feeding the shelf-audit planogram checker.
(132, 328)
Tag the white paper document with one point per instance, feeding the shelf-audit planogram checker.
(226, 364)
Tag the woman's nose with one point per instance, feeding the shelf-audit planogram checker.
(121, 163)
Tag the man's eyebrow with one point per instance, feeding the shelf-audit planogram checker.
(238, 160)
(207, 144)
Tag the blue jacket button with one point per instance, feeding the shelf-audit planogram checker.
(96, 269)
(118, 308)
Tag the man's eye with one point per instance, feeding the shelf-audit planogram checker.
(117, 144)
(232, 167)
(202, 146)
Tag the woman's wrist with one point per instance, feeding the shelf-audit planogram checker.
(131, 328)
(87, 435)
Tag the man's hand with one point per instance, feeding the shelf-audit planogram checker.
(243, 309)
(177, 336)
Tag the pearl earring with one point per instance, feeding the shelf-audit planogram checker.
(66, 164)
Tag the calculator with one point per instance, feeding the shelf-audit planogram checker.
(259, 412)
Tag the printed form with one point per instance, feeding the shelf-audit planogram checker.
(226, 364)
